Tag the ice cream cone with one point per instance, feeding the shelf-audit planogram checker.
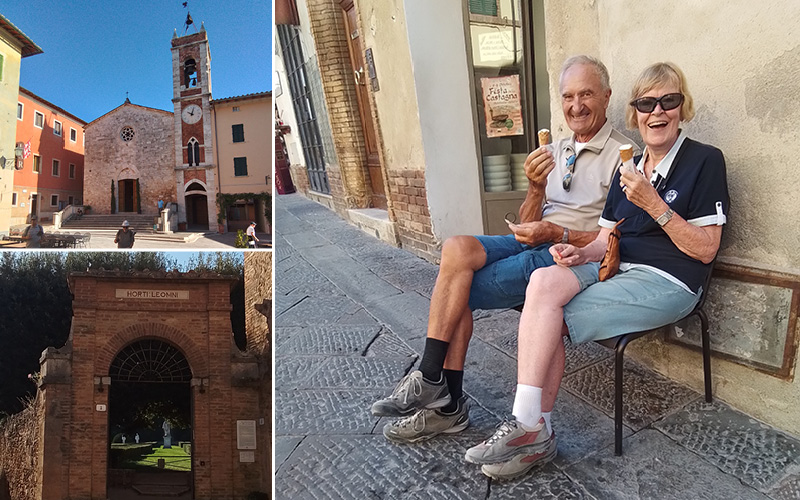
(544, 137)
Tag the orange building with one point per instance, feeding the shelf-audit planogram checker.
(52, 172)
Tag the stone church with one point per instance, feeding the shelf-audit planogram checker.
(136, 156)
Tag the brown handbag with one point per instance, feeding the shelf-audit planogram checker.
(610, 263)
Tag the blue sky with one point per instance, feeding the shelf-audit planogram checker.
(95, 51)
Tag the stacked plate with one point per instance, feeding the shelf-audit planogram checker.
(519, 180)
(496, 173)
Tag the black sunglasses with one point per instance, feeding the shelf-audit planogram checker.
(648, 104)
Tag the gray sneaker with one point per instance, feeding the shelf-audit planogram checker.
(510, 439)
(412, 393)
(426, 424)
(522, 463)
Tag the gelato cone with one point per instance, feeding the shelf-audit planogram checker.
(626, 155)
(544, 137)
(625, 152)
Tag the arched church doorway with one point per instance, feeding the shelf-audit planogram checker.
(196, 207)
(150, 412)
(127, 195)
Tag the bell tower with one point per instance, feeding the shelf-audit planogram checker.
(195, 170)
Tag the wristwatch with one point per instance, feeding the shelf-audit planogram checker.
(665, 217)
(565, 237)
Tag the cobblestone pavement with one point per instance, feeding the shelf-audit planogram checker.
(351, 316)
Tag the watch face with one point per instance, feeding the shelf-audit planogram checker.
(192, 113)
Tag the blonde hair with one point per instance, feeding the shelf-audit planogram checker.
(656, 75)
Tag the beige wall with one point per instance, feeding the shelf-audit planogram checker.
(741, 61)
(256, 115)
(9, 93)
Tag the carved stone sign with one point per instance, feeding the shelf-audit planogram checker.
(126, 293)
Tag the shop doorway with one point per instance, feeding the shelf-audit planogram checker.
(374, 168)
(150, 423)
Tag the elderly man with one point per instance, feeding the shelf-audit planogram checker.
(568, 183)
(125, 236)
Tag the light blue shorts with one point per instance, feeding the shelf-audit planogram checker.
(631, 301)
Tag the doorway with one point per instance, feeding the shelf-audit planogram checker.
(197, 212)
(377, 191)
(150, 423)
(34, 205)
(127, 195)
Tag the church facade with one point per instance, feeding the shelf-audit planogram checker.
(136, 156)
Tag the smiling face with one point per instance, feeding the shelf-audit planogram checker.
(584, 101)
(659, 128)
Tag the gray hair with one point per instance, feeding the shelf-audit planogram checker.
(599, 67)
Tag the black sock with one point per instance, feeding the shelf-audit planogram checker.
(433, 359)
(454, 379)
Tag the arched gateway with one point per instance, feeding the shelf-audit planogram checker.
(134, 329)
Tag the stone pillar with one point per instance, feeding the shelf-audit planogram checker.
(54, 437)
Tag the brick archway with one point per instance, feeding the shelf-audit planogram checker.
(184, 343)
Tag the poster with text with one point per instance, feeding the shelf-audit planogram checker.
(502, 106)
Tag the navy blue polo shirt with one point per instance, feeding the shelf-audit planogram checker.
(696, 188)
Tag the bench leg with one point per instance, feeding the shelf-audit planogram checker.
(706, 352)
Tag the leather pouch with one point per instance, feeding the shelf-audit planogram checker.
(610, 263)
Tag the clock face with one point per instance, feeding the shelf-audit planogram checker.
(192, 113)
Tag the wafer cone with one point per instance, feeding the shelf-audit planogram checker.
(544, 137)
(626, 152)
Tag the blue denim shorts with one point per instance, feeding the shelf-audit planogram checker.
(631, 301)
(502, 281)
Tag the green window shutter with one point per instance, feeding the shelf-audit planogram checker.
(238, 133)
(1, 67)
(240, 166)
(483, 7)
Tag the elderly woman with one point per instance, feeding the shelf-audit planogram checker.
(673, 205)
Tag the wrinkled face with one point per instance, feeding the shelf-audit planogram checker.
(584, 101)
(660, 128)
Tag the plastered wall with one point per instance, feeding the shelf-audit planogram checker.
(742, 62)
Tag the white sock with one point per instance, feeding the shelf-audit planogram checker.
(546, 416)
(528, 405)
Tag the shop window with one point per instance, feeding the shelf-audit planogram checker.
(240, 166)
(238, 132)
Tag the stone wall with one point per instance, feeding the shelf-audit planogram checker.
(19, 438)
(149, 157)
(258, 313)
